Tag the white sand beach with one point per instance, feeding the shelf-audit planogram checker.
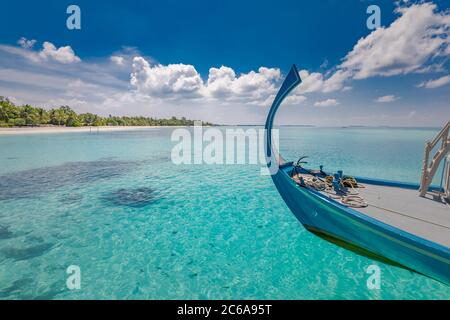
(56, 129)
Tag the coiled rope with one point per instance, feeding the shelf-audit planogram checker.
(350, 197)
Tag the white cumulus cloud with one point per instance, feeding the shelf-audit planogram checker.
(294, 99)
(311, 82)
(416, 42)
(316, 82)
(435, 83)
(61, 54)
(386, 99)
(418, 37)
(326, 103)
(26, 43)
(119, 60)
(162, 80)
(223, 83)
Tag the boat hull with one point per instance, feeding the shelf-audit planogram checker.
(322, 215)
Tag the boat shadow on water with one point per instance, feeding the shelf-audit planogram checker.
(355, 249)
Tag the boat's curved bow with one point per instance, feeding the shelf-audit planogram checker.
(322, 215)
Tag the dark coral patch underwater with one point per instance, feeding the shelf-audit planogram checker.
(34, 182)
(15, 288)
(26, 253)
(71, 198)
(132, 197)
(5, 233)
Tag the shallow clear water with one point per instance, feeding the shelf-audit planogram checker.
(140, 227)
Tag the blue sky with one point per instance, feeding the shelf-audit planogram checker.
(223, 60)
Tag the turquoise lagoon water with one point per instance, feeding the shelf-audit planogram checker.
(140, 227)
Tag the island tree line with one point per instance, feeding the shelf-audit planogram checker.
(12, 115)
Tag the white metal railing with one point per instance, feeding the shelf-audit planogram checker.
(446, 178)
(429, 168)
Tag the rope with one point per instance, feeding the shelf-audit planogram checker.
(348, 198)
(354, 201)
(351, 199)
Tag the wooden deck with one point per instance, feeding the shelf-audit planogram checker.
(427, 217)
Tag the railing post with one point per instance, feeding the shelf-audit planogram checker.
(446, 177)
(424, 179)
(429, 169)
(445, 139)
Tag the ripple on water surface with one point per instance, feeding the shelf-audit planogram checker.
(153, 230)
(132, 197)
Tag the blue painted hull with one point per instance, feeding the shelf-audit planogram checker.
(323, 215)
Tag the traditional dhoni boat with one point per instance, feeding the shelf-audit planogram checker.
(400, 223)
